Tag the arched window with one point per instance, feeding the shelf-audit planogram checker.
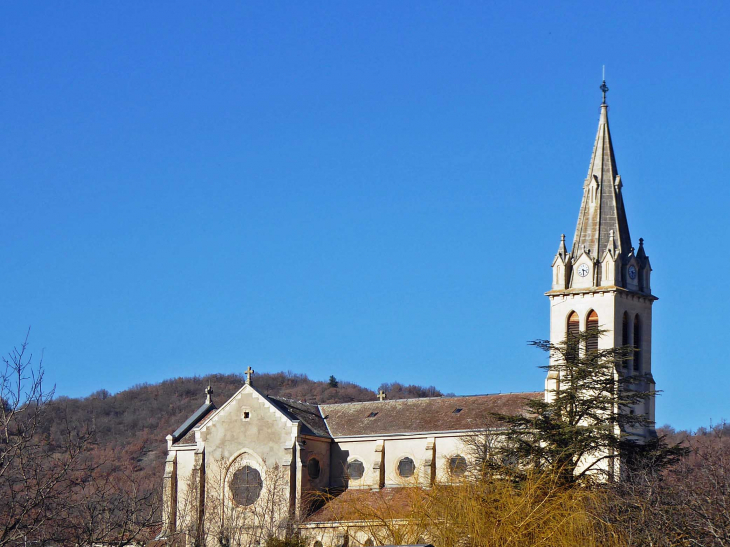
(637, 342)
(572, 337)
(625, 334)
(592, 331)
(573, 324)
(313, 468)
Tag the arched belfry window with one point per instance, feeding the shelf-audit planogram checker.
(637, 342)
(573, 324)
(625, 333)
(592, 331)
(572, 336)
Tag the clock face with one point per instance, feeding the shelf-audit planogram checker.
(632, 272)
(583, 270)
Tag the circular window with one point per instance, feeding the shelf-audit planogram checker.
(457, 465)
(313, 468)
(406, 467)
(355, 470)
(246, 485)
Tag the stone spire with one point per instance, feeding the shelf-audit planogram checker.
(602, 209)
(562, 250)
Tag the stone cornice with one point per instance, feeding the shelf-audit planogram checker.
(606, 289)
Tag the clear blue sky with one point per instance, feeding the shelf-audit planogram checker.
(373, 190)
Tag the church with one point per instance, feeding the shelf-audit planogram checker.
(256, 459)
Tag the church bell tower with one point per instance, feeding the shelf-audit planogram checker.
(603, 281)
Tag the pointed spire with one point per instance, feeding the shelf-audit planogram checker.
(641, 253)
(562, 249)
(602, 209)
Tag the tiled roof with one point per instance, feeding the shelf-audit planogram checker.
(354, 504)
(402, 416)
(309, 415)
(421, 415)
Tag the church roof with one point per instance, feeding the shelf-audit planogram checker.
(398, 416)
(426, 415)
(602, 209)
(309, 415)
(352, 504)
(185, 434)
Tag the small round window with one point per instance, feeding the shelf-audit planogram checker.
(406, 467)
(355, 470)
(457, 465)
(246, 485)
(313, 469)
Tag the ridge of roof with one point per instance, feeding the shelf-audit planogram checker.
(430, 414)
(193, 420)
(287, 400)
(441, 398)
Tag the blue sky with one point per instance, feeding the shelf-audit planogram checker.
(373, 190)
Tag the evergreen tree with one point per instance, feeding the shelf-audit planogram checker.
(333, 382)
(587, 423)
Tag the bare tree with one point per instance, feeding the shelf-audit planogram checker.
(54, 487)
(35, 469)
(107, 505)
(705, 487)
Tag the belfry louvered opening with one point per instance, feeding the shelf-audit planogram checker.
(637, 343)
(592, 332)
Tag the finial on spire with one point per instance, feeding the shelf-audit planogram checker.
(208, 393)
(604, 87)
(562, 250)
(249, 373)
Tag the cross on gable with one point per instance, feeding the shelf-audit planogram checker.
(248, 372)
(381, 395)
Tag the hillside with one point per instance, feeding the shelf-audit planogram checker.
(132, 424)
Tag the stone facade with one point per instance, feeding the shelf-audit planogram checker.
(299, 451)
